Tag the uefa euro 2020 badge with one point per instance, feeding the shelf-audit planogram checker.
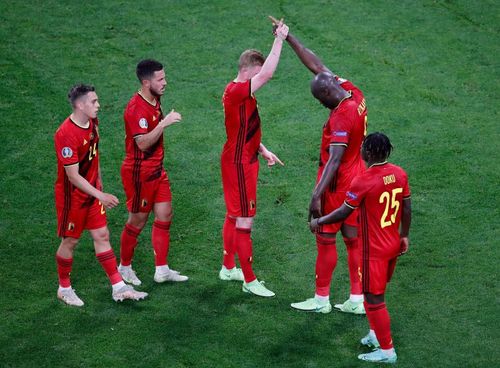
(66, 152)
(143, 123)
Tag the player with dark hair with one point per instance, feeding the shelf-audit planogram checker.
(80, 201)
(382, 194)
(339, 162)
(240, 163)
(144, 178)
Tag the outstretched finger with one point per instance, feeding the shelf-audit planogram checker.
(273, 19)
(278, 160)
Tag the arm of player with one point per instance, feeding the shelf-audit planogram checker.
(145, 141)
(331, 167)
(405, 226)
(267, 70)
(270, 157)
(107, 200)
(338, 215)
(308, 58)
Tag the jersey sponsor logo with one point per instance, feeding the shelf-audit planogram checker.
(143, 123)
(351, 195)
(340, 134)
(66, 152)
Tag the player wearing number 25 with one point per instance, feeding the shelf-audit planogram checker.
(382, 195)
(80, 201)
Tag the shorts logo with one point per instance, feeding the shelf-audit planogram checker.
(340, 134)
(66, 152)
(143, 123)
(71, 226)
(351, 195)
(252, 204)
(144, 203)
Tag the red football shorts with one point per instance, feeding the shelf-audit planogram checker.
(375, 274)
(239, 182)
(329, 203)
(71, 221)
(144, 189)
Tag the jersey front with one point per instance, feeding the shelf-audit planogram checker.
(76, 145)
(379, 194)
(346, 126)
(140, 118)
(242, 122)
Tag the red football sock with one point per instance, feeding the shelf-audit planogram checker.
(325, 264)
(353, 257)
(244, 249)
(228, 235)
(64, 266)
(380, 322)
(160, 237)
(107, 260)
(128, 242)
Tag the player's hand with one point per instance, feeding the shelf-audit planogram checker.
(403, 245)
(271, 158)
(280, 29)
(172, 118)
(108, 200)
(315, 208)
(313, 225)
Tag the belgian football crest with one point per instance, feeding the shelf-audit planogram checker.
(252, 204)
(144, 203)
(71, 226)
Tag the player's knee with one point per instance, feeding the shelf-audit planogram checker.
(69, 243)
(101, 235)
(137, 220)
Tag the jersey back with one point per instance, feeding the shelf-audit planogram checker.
(379, 193)
(346, 126)
(242, 123)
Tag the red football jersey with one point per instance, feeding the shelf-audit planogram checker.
(346, 126)
(242, 124)
(76, 145)
(140, 118)
(379, 193)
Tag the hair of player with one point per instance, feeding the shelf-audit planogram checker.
(250, 58)
(146, 69)
(378, 146)
(78, 91)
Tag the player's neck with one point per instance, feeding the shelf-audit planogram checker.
(80, 119)
(148, 96)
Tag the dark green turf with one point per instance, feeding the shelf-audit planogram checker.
(430, 74)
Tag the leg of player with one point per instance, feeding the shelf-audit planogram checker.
(355, 302)
(128, 242)
(106, 257)
(160, 237)
(326, 261)
(244, 248)
(64, 260)
(378, 317)
(229, 271)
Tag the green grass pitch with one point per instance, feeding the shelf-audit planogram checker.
(430, 74)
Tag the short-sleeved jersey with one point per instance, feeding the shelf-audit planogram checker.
(242, 124)
(379, 194)
(76, 145)
(140, 118)
(346, 126)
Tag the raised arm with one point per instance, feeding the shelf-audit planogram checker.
(267, 71)
(308, 58)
